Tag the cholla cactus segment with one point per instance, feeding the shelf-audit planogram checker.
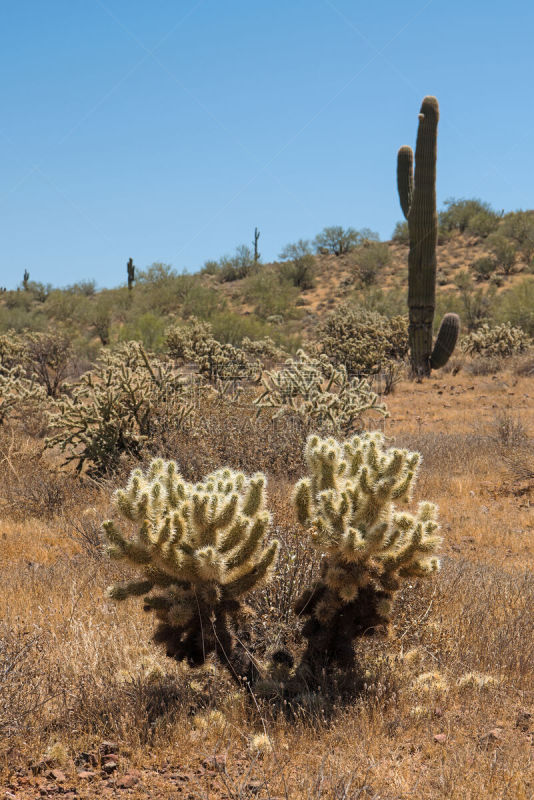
(499, 341)
(128, 398)
(201, 547)
(348, 505)
(318, 392)
(17, 393)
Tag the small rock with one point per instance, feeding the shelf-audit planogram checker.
(9, 796)
(58, 775)
(109, 767)
(86, 774)
(254, 786)
(440, 738)
(107, 747)
(127, 781)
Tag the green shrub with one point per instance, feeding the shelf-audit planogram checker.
(146, 328)
(369, 260)
(459, 214)
(336, 240)
(401, 234)
(516, 305)
(271, 295)
(483, 223)
(238, 266)
(504, 251)
(518, 227)
(299, 269)
(484, 267)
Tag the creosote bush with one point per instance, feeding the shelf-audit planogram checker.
(319, 393)
(499, 341)
(202, 548)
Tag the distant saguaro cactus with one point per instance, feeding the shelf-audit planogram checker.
(417, 194)
(131, 273)
(256, 253)
(25, 280)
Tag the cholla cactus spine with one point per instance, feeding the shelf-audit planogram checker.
(205, 546)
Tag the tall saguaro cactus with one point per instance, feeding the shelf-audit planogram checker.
(417, 194)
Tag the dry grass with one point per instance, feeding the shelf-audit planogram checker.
(447, 698)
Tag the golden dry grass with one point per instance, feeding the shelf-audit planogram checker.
(448, 705)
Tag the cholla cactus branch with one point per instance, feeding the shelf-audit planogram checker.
(128, 398)
(203, 546)
(318, 392)
(348, 506)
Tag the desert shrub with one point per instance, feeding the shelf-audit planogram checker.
(498, 341)
(66, 306)
(518, 227)
(483, 223)
(48, 359)
(336, 240)
(233, 268)
(369, 260)
(299, 268)
(201, 548)
(484, 267)
(504, 251)
(401, 234)
(114, 410)
(271, 294)
(147, 328)
(516, 305)
(319, 393)
(459, 214)
(477, 304)
(363, 341)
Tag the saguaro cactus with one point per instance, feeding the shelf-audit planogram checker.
(131, 273)
(417, 194)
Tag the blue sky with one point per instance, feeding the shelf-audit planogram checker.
(167, 130)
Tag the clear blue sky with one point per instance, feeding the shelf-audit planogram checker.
(167, 130)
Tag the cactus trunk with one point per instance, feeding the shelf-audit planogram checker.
(417, 193)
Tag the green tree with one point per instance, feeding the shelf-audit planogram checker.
(337, 240)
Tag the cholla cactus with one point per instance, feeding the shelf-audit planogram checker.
(363, 341)
(129, 398)
(202, 547)
(368, 545)
(499, 341)
(17, 393)
(318, 392)
(220, 364)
